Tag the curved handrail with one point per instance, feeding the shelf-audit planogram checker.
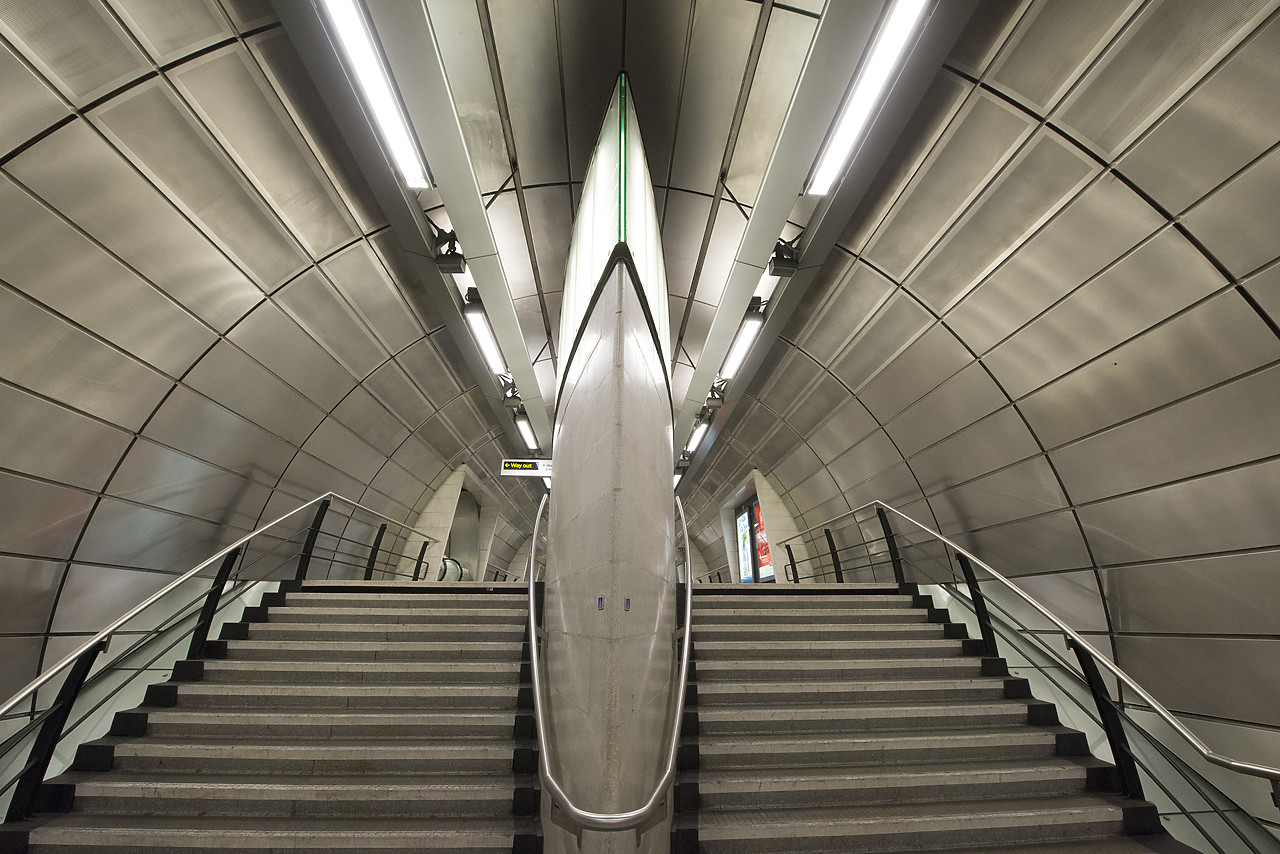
(45, 677)
(636, 817)
(1209, 755)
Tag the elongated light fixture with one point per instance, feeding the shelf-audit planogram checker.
(473, 311)
(526, 430)
(546, 481)
(357, 43)
(747, 333)
(890, 43)
(696, 438)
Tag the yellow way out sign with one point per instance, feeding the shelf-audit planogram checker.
(526, 468)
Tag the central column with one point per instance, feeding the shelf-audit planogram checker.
(610, 605)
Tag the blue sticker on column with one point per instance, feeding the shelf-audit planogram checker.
(600, 603)
(628, 605)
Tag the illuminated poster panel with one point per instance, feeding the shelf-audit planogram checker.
(763, 561)
(745, 574)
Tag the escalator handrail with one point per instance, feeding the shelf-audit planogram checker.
(586, 818)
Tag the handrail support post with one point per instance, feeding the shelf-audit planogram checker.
(979, 606)
(1111, 723)
(791, 562)
(304, 560)
(894, 557)
(417, 567)
(373, 552)
(200, 634)
(835, 556)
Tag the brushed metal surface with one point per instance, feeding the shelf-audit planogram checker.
(923, 366)
(169, 31)
(313, 302)
(229, 377)
(197, 426)
(1234, 222)
(391, 386)
(984, 446)
(277, 342)
(959, 401)
(53, 442)
(360, 277)
(28, 587)
(895, 325)
(29, 104)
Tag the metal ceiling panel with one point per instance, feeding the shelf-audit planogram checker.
(529, 313)
(282, 66)
(848, 425)
(1221, 339)
(923, 366)
(369, 419)
(1265, 289)
(864, 461)
(29, 106)
(320, 311)
(390, 385)
(229, 377)
(1092, 231)
(1236, 223)
(590, 62)
(52, 357)
(989, 444)
(1072, 596)
(50, 260)
(126, 534)
(937, 109)
(170, 31)
(419, 460)
(437, 433)
(249, 14)
(524, 33)
(782, 56)
(854, 297)
(657, 34)
(238, 105)
(78, 46)
(726, 237)
(360, 277)
(750, 423)
(425, 365)
(461, 44)
(1188, 674)
(75, 171)
(154, 475)
(405, 280)
(274, 339)
(1053, 44)
(986, 30)
(1228, 511)
(718, 48)
(1163, 276)
(19, 664)
(794, 376)
(958, 402)
(49, 441)
(685, 215)
(40, 519)
(1025, 489)
(198, 426)
(308, 477)
(814, 492)
(1042, 178)
(344, 450)
(551, 220)
(895, 486)
(1169, 444)
(508, 235)
(701, 316)
(1191, 150)
(1224, 594)
(818, 403)
(800, 464)
(465, 419)
(895, 325)
(980, 139)
(1039, 544)
(167, 145)
(1153, 61)
(29, 587)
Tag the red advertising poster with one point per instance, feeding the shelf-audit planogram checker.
(762, 546)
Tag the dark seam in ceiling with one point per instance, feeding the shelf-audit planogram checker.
(675, 121)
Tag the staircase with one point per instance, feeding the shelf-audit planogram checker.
(854, 717)
(339, 716)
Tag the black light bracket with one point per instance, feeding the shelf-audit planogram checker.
(785, 260)
(449, 258)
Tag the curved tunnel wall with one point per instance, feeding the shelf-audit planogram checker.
(1051, 331)
(202, 319)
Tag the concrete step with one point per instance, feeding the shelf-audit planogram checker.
(277, 650)
(1110, 845)
(220, 835)
(706, 603)
(426, 699)
(362, 673)
(801, 670)
(397, 633)
(823, 751)
(416, 588)
(814, 649)
(364, 756)
(873, 828)
(438, 599)
(781, 634)
(382, 615)
(744, 720)
(794, 693)
(853, 589)
(809, 616)
(304, 726)
(284, 797)
(766, 789)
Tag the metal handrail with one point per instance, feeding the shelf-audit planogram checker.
(636, 817)
(45, 677)
(1209, 755)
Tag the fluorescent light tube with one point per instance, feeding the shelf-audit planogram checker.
(698, 433)
(547, 482)
(526, 432)
(485, 340)
(357, 43)
(890, 43)
(742, 344)
(676, 485)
